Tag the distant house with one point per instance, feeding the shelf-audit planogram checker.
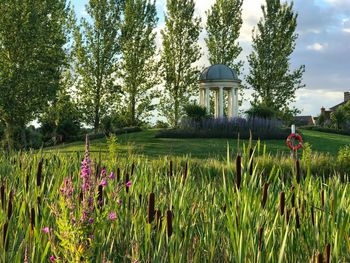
(327, 113)
(304, 120)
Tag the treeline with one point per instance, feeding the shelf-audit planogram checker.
(105, 70)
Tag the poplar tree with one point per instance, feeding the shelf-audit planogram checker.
(271, 78)
(180, 52)
(96, 52)
(33, 34)
(224, 21)
(138, 64)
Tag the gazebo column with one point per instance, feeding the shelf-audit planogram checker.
(233, 103)
(221, 102)
(207, 100)
(236, 104)
(229, 108)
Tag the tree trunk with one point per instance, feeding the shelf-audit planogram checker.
(8, 136)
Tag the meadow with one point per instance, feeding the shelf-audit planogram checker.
(131, 208)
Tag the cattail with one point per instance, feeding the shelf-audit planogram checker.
(297, 220)
(98, 170)
(322, 198)
(238, 171)
(126, 181)
(171, 168)
(319, 258)
(292, 200)
(9, 206)
(5, 231)
(328, 253)
(38, 201)
(2, 193)
(27, 182)
(185, 173)
(140, 198)
(100, 196)
(81, 196)
(32, 218)
(287, 215)
(251, 161)
(298, 175)
(312, 215)
(169, 219)
(159, 219)
(151, 211)
(132, 169)
(261, 233)
(39, 173)
(224, 208)
(282, 202)
(118, 174)
(264, 198)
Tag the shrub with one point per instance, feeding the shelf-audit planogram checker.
(261, 111)
(343, 159)
(195, 112)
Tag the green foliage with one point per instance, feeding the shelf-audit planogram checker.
(224, 21)
(274, 39)
(195, 112)
(161, 125)
(112, 145)
(96, 53)
(343, 159)
(261, 111)
(321, 120)
(33, 34)
(138, 66)
(180, 51)
(339, 117)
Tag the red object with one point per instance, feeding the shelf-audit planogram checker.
(296, 137)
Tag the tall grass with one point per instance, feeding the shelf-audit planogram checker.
(176, 210)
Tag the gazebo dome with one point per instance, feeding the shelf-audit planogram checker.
(218, 72)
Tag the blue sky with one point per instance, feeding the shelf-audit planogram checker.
(323, 46)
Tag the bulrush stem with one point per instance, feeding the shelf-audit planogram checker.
(169, 220)
(32, 218)
(9, 206)
(151, 211)
(322, 199)
(298, 175)
(312, 216)
(282, 203)
(39, 173)
(5, 232)
(238, 171)
(251, 158)
(171, 168)
(292, 200)
(264, 197)
(328, 253)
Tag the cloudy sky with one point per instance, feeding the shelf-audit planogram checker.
(323, 46)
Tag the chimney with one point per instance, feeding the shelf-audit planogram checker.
(346, 96)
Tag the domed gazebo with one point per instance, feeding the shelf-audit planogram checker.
(219, 78)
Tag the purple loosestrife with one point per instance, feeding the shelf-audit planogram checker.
(112, 216)
(46, 230)
(111, 176)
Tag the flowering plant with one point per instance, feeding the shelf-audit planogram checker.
(80, 209)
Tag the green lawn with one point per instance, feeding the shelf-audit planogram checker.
(146, 144)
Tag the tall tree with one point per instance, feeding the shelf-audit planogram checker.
(270, 76)
(32, 39)
(180, 52)
(224, 21)
(97, 49)
(138, 65)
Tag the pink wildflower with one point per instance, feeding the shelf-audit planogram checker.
(120, 201)
(112, 216)
(52, 258)
(128, 184)
(111, 176)
(46, 230)
(104, 182)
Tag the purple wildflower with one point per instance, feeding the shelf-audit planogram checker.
(91, 220)
(128, 184)
(104, 182)
(103, 172)
(111, 176)
(52, 258)
(46, 230)
(120, 201)
(112, 216)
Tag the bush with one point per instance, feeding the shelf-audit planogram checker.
(343, 159)
(327, 130)
(195, 112)
(161, 125)
(261, 111)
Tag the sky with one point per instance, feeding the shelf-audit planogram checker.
(323, 46)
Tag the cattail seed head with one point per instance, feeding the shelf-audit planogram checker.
(169, 220)
(151, 211)
(2, 195)
(185, 173)
(132, 169)
(171, 168)
(238, 171)
(9, 206)
(39, 172)
(282, 203)
(264, 197)
(32, 218)
(159, 219)
(251, 161)
(126, 181)
(297, 220)
(292, 200)
(118, 174)
(319, 258)
(327, 253)
(298, 172)
(261, 233)
(322, 198)
(287, 215)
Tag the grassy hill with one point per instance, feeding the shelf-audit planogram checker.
(146, 144)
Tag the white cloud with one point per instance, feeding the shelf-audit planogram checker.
(316, 47)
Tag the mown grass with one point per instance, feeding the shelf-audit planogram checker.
(217, 211)
(144, 143)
